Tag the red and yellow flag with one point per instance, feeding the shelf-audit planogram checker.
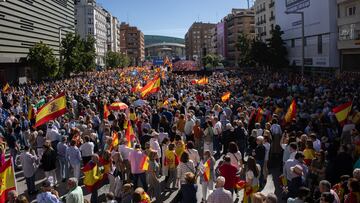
(144, 165)
(207, 170)
(145, 198)
(6, 88)
(259, 115)
(51, 110)
(7, 180)
(92, 177)
(137, 88)
(342, 112)
(291, 113)
(203, 81)
(106, 111)
(225, 97)
(129, 134)
(151, 87)
(115, 140)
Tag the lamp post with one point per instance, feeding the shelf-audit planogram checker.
(302, 38)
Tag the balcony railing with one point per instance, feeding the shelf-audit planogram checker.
(272, 18)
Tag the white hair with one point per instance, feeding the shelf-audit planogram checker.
(221, 181)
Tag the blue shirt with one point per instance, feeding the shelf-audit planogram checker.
(47, 197)
(73, 155)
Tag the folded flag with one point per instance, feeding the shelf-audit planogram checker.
(207, 170)
(342, 112)
(291, 113)
(51, 110)
(144, 164)
(129, 134)
(225, 97)
(7, 180)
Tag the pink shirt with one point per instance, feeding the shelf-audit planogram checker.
(135, 158)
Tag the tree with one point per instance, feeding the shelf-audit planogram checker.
(88, 54)
(42, 61)
(277, 50)
(116, 59)
(71, 54)
(260, 53)
(211, 61)
(243, 45)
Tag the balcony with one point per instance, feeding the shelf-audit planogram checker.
(271, 4)
(272, 18)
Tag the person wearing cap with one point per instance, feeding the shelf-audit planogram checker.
(63, 162)
(135, 158)
(297, 180)
(48, 194)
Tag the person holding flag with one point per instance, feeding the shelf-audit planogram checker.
(207, 168)
(138, 164)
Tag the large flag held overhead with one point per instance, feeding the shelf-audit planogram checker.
(92, 177)
(53, 109)
(342, 112)
(151, 87)
(202, 81)
(291, 113)
(7, 180)
(225, 97)
(129, 134)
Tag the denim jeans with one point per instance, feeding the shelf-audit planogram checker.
(217, 144)
(13, 154)
(261, 179)
(64, 167)
(30, 183)
(142, 177)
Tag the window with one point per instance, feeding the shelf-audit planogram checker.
(319, 47)
(351, 11)
(305, 41)
(293, 43)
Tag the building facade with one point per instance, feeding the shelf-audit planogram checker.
(240, 21)
(132, 43)
(165, 49)
(349, 34)
(264, 18)
(24, 23)
(221, 39)
(198, 40)
(113, 34)
(91, 19)
(321, 32)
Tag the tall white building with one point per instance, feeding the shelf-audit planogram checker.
(264, 18)
(113, 34)
(321, 32)
(91, 20)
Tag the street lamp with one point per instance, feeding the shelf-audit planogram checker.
(302, 38)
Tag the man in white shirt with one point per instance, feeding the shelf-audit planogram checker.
(87, 150)
(52, 134)
(125, 151)
(154, 143)
(189, 126)
(29, 161)
(162, 135)
(217, 135)
(220, 195)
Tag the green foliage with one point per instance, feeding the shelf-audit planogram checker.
(115, 60)
(42, 61)
(77, 54)
(260, 53)
(277, 50)
(211, 61)
(244, 46)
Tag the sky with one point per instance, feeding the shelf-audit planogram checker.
(169, 17)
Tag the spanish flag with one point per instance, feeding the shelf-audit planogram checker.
(291, 113)
(7, 180)
(137, 88)
(207, 170)
(225, 97)
(115, 140)
(144, 164)
(106, 111)
(342, 112)
(129, 134)
(51, 110)
(6, 88)
(166, 102)
(151, 87)
(259, 115)
(203, 81)
(92, 176)
(145, 198)
(31, 112)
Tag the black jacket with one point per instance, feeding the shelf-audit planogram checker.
(48, 160)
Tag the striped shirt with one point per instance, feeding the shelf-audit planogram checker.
(220, 195)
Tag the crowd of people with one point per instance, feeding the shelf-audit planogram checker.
(191, 138)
